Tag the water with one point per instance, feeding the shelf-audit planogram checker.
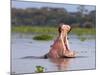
(22, 45)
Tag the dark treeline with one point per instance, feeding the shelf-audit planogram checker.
(53, 16)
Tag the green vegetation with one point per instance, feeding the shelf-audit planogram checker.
(52, 30)
(43, 37)
(39, 69)
(82, 38)
(84, 31)
(35, 29)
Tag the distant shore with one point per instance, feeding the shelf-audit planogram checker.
(53, 30)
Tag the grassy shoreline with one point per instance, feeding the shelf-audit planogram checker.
(53, 30)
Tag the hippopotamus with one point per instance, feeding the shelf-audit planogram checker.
(60, 47)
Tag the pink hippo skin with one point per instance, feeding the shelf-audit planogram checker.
(60, 47)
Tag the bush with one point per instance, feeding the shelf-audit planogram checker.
(39, 69)
(43, 37)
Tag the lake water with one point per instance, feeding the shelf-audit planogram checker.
(22, 45)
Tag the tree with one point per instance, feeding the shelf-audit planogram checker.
(82, 10)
